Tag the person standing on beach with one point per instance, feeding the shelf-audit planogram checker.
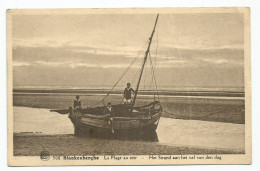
(110, 112)
(77, 103)
(127, 94)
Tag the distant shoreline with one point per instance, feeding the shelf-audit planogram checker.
(220, 93)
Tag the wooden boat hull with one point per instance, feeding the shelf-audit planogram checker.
(89, 123)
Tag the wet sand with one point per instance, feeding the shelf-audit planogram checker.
(38, 129)
(33, 144)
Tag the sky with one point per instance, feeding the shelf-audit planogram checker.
(188, 50)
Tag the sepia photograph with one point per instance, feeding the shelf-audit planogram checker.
(129, 86)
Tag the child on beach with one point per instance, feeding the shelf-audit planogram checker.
(109, 111)
(77, 103)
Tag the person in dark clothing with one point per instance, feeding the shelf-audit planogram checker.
(77, 103)
(127, 94)
(110, 112)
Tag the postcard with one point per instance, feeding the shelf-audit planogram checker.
(154, 86)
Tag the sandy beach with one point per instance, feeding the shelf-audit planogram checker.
(173, 136)
(33, 144)
(186, 126)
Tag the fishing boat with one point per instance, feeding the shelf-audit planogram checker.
(127, 117)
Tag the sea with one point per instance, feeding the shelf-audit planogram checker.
(195, 92)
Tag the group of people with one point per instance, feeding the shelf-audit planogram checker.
(108, 109)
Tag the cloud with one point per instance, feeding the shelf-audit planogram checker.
(92, 65)
(124, 52)
(70, 64)
(216, 61)
(36, 42)
(195, 47)
(19, 64)
(86, 56)
(77, 46)
(52, 64)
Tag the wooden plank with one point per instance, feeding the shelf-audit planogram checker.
(130, 124)
(121, 122)
(90, 123)
(128, 118)
(94, 116)
(91, 120)
(117, 118)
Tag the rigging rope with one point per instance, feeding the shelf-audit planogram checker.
(153, 74)
(129, 66)
(155, 60)
(136, 76)
(127, 69)
(146, 93)
(151, 87)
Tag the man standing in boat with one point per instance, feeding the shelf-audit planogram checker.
(77, 103)
(127, 94)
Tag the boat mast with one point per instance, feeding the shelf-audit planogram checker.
(145, 58)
